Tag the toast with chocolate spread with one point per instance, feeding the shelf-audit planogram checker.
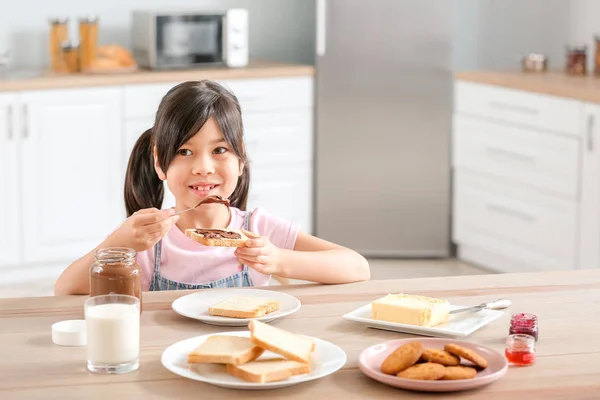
(217, 237)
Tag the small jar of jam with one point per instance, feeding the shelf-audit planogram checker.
(115, 271)
(520, 349)
(524, 323)
(576, 60)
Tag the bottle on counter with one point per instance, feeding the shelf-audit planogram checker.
(115, 271)
(88, 37)
(576, 59)
(59, 33)
(70, 56)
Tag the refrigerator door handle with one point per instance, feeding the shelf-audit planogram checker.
(321, 24)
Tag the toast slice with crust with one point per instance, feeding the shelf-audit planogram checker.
(268, 370)
(218, 237)
(224, 349)
(287, 344)
(244, 307)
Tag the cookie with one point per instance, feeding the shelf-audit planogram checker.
(459, 372)
(427, 372)
(440, 357)
(467, 354)
(402, 358)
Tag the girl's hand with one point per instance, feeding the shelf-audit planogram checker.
(143, 229)
(260, 254)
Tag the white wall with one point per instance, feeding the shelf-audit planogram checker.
(281, 30)
(496, 34)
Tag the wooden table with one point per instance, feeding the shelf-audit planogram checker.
(568, 366)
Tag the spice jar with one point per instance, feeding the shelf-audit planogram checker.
(59, 32)
(597, 56)
(520, 349)
(576, 60)
(70, 56)
(524, 324)
(115, 271)
(88, 37)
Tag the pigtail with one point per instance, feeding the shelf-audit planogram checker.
(143, 188)
(239, 197)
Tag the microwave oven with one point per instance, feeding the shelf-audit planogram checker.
(190, 39)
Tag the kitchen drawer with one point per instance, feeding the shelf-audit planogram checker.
(519, 107)
(276, 138)
(272, 93)
(546, 162)
(141, 101)
(514, 215)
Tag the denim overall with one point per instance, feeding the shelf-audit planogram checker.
(238, 279)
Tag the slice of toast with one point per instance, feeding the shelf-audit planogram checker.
(218, 237)
(286, 344)
(268, 370)
(244, 307)
(223, 349)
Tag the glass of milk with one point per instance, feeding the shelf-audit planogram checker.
(113, 333)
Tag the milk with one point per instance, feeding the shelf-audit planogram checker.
(113, 333)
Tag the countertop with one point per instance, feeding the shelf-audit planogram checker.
(584, 88)
(41, 79)
(567, 304)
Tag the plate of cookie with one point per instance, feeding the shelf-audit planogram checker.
(432, 364)
(236, 306)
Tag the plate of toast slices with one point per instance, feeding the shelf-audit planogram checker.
(236, 306)
(432, 364)
(265, 357)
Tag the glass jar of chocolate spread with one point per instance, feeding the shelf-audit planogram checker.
(115, 271)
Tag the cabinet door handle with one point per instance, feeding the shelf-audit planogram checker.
(9, 122)
(590, 133)
(511, 154)
(25, 127)
(509, 211)
(513, 107)
(321, 26)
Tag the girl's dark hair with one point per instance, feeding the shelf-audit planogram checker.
(181, 114)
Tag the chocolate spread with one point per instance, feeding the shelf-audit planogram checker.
(218, 234)
(115, 271)
(215, 199)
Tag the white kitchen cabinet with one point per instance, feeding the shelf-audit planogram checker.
(10, 226)
(519, 185)
(285, 192)
(589, 215)
(68, 163)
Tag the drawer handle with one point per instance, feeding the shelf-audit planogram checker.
(590, 133)
(511, 154)
(512, 107)
(508, 211)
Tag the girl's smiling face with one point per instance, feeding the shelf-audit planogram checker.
(205, 165)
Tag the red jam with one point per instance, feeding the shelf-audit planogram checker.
(520, 349)
(525, 324)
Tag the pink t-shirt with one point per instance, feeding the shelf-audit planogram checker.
(187, 261)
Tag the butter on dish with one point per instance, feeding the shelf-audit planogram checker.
(410, 309)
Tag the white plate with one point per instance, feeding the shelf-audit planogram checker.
(457, 326)
(326, 359)
(196, 305)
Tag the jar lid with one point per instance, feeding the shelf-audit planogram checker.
(577, 47)
(89, 18)
(69, 333)
(66, 45)
(59, 20)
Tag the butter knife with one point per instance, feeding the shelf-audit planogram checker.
(492, 305)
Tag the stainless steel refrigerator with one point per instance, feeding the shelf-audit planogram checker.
(382, 126)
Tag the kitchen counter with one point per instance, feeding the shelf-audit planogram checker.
(38, 80)
(567, 304)
(585, 88)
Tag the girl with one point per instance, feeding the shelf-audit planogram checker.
(197, 146)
